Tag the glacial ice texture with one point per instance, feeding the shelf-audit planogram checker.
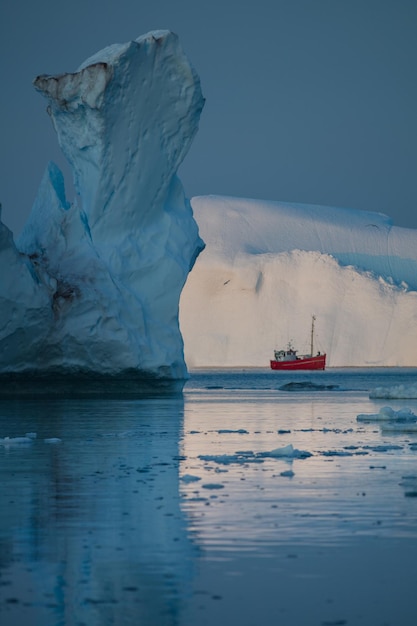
(92, 288)
(269, 266)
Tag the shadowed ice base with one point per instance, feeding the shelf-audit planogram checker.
(85, 384)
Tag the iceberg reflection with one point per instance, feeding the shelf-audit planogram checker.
(91, 528)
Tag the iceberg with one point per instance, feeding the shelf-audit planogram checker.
(90, 290)
(269, 266)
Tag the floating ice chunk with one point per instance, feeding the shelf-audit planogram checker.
(52, 440)
(240, 431)
(288, 473)
(405, 414)
(213, 486)
(197, 499)
(189, 478)
(31, 435)
(224, 459)
(398, 392)
(306, 385)
(399, 427)
(383, 448)
(385, 413)
(227, 459)
(11, 441)
(286, 452)
(243, 456)
(336, 453)
(388, 414)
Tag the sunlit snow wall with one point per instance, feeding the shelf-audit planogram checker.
(269, 267)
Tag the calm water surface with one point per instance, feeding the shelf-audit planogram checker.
(169, 511)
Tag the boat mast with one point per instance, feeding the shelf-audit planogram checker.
(313, 319)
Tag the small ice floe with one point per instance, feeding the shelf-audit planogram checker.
(306, 385)
(387, 414)
(227, 459)
(247, 456)
(31, 435)
(399, 427)
(52, 440)
(336, 453)
(225, 431)
(287, 474)
(213, 486)
(189, 478)
(288, 452)
(15, 441)
(397, 392)
(383, 448)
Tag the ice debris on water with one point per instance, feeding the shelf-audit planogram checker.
(402, 427)
(306, 385)
(337, 453)
(383, 448)
(27, 439)
(189, 478)
(287, 453)
(397, 392)
(386, 413)
(213, 486)
(239, 431)
(11, 441)
(227, 459)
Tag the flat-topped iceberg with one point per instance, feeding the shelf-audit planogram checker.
(269, 266)
(90, 290)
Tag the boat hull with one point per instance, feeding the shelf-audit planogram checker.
(308, 363)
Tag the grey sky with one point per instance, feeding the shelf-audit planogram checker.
(306, 101)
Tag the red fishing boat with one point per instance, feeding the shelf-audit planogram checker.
(289, 360)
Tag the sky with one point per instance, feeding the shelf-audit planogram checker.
(309, 101)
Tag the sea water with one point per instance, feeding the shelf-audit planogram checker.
(254, 497)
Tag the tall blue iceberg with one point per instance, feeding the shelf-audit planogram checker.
(90, 290)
